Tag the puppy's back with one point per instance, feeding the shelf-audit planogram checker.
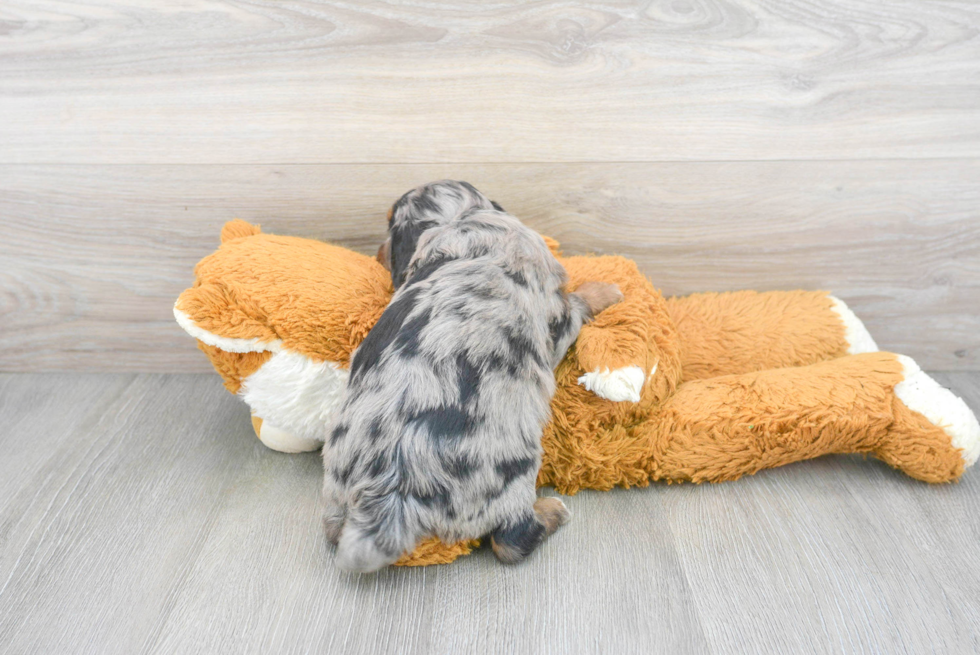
(440, 429)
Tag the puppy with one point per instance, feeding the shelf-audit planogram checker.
(439, 431)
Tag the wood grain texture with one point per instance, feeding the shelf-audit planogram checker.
(140, 515)
(108, 81)
(93, 256)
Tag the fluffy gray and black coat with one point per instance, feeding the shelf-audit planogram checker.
(439, 431)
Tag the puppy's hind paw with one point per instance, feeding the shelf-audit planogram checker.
(552, 513)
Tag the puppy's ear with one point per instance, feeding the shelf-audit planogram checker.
(384, 255)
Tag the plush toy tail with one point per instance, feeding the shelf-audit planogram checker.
(237, 229)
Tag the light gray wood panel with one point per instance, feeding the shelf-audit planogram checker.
(141, 515)
(93, 256)
(313, 82)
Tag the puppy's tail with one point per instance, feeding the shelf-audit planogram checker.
(359, 551)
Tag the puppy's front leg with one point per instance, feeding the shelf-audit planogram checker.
(578, 308)
(598, 295)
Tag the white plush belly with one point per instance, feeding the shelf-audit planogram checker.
(296, 394)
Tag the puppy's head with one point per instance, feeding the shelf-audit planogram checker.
(421, 209)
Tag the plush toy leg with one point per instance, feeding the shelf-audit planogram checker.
(281, 440)
(879, 403)
(920, 449)
(745, 331)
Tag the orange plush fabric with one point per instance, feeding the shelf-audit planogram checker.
(432, 551)
(740, 381)
(300, 295)
(748, 329)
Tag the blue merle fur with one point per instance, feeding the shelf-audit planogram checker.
(440, 428)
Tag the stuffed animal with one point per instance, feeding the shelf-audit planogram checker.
(707, 387)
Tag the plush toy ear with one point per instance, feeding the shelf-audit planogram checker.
(237, 229)
(553, 245)
(221, 315)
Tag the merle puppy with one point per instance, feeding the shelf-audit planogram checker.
(439, 432)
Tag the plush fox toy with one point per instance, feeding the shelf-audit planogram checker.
(707, 387)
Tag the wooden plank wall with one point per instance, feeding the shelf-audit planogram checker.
(724, 145)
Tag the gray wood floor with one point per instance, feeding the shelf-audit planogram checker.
(139, 515)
